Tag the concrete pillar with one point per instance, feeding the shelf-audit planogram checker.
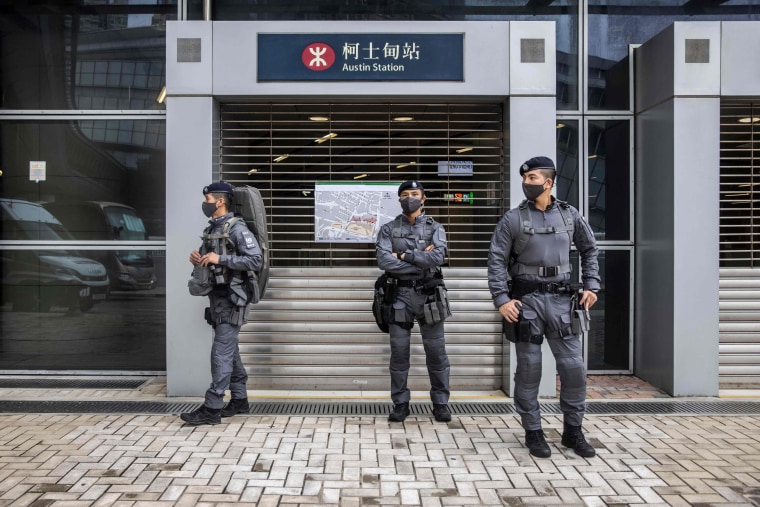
(677, 209)
(191, 155)
(532, 132)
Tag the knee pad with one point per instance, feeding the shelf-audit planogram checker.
(572, 376)
(528, 374)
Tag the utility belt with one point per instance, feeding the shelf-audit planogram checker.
(520, 288)
(435, 309)
(522, 330)
(420, 284)
(240, 287)
(236, 317)
(407, 283)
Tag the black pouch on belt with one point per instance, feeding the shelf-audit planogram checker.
(430, 312)
(509, 330)
(391, 290)
(436, 307)
(379, 309)
(524, 331)
(581, 319)
(442, 299)
(209, 318)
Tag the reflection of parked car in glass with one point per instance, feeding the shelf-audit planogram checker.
(35, 280)
(107, 221)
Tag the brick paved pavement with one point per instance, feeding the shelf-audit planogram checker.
(133, 460)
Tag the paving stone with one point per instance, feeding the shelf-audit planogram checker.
(134, 459)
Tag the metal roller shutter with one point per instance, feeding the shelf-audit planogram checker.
(315, 330)
(739, 252)
(739, 327)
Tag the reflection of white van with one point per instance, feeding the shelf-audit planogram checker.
(35, 280)
(108, 221)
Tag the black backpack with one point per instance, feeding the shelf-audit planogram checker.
(248, 205)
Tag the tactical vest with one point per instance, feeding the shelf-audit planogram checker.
(427, 231)
(220, 242)
(526, 231)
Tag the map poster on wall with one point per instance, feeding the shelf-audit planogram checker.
(346, 212)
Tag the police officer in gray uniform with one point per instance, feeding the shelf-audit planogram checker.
(411, 249)
(529, 280)
(229, 251)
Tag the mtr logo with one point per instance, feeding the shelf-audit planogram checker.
(318, 56)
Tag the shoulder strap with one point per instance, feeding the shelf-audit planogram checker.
(428, 229)
(396, 232)
(525, 230)
(567, 217)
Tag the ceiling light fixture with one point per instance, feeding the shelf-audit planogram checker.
(560, 125)
(592, 156)
(281, 158)
(253, 170)
(360, 176)
(325, 137)
(161, 96)
(754, 119)
(464, 150)
(403, 118)
(319, 118)
(401, 166)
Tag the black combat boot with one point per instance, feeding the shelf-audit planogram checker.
(536, 444)
(236, 406)
(441, 413)
(400, 411)
(573, 438)
(203, 415)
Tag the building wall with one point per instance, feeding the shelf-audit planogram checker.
(228, 54)
(674, 104)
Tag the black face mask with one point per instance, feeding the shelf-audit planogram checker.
(532, 191)
(410, 204)
(209, 208)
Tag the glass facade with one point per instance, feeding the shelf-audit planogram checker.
(82, 188)
(609, 178)
(568, 162)
(89, 55)
(614, 25)
(607, 188)
(71, 192)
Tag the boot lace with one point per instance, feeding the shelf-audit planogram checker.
(536, 437)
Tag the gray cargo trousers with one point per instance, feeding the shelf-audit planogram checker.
(226, 366)
(408, 308)
(548, 313)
